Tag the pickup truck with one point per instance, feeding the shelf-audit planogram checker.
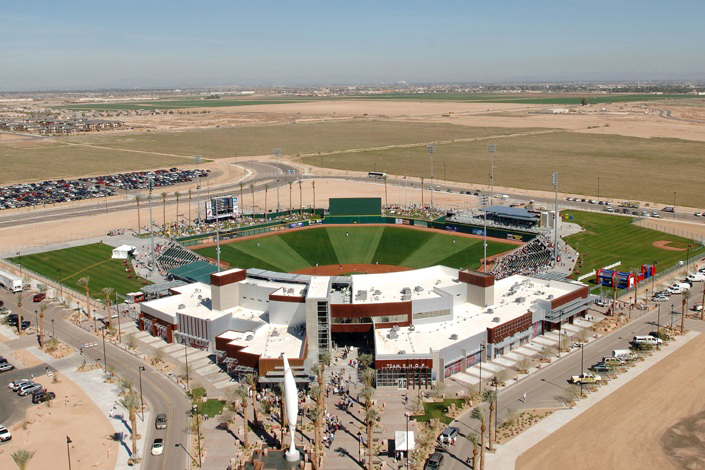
(585, 378)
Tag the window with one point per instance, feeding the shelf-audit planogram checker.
(431, 314)
(392, 318)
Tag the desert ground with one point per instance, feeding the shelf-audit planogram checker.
(637, 436)
(46, 428)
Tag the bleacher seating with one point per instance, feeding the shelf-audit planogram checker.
(174, 255)
(531, 258)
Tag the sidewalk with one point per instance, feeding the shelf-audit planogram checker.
(105, 396)
(506, 454)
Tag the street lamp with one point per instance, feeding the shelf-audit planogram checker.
(582, 366)
(52, 329)
(482, 348)
(187, 452)
(105, 356)
(674, 204)
(19, 261)
(68, 449)
(560, 324)
(61, 286)
(431, 150)
(671, 326)
(492, 148)
(196, 159)
(194, 409)
(658, 319)
(186, 353)
(151, 224)
(141, 368)
(555, 220)
(408, 415)
(687, 262)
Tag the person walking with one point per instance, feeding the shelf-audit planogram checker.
(524, 398)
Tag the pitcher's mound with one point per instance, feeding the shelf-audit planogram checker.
(348, 269)
(664, 245)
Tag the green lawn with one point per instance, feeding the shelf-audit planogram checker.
(211, 407)
(437, 410)
(92, 261)
(611, 238)
(355, 244)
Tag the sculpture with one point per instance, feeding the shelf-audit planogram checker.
(292, 409)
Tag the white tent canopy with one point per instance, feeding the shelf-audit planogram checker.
(402, 442)
(123, 251)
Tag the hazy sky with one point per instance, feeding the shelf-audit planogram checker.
(81, 44)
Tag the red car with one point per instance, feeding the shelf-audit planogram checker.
(39, 297)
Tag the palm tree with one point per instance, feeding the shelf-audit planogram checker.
(386, 201)
(371, 420)
(138, 199)
(252, 380)
(107, 292)
(479, 414)
(422, 191)
(164, 194)
(319, 371)
(176, 195)
(368, 375)
(19, 314)
(686, 296)
(279, 392)
(313, 185)
(241, 200)
(22, 458)
(266, 189)
(42, 308)
(241, 392)
(131, 401)
(490, 396)
(291, 183)
(252, 189)
(474, 440)
(83, 282)
(189, 207)
(301, 200)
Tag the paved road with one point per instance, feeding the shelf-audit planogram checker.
(546, 388)
(162, 395)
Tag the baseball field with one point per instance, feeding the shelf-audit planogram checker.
(396, 246)
(611, 238)
(92, 261)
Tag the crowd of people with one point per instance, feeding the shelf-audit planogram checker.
(414, 212)
(533, 258)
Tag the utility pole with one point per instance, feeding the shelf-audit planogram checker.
(277, 152)
(151, 224)
(197, 159)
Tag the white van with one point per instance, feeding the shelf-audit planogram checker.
(624, 354)
(647, 340)
(679, 288)
(696, 277)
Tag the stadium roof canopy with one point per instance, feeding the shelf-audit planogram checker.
(512, 212)
(198, 271)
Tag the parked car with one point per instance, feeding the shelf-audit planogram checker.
(585, 378)
(449, 436)
(434, 461)
(16, 384)
(5, 434)
(696, 277)
(660, 298)
(698, 307)
(42, 397)
(5, 366)
(29, 389)
(600, 367)
(612, 361)
(158, 446)
(39, 297)
(160, 422)
(697, 214)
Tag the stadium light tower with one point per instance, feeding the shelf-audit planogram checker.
(197, 159)
(556, 218)
(151, 224)
(277, 152)
(431, 150)
(492, 148)
(218, 205)
(484, 234)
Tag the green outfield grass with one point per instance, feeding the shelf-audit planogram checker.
(355, 245)
(92, 261)
(611, 238)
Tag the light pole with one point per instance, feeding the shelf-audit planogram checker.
(218, 204)
(186, 353)
(359, 446)
(68, 449)
(671, 325)
(445, 181)
(105, 356)
(482, 348)
(151, 222)
(658, 319)
(674, 204)
(484, 234)
(560, 324)
(197, 159)
(687, 262)
(140, 369)
(492, 148)
(19, 261)
(52, 329)
(555, 221)
(431, 150)
(189, 453)
(408, 415)
(277, 152)
(61, 286)
(582, 366)
(598, 188)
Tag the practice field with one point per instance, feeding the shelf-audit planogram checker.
(611, 238)
(92, 261)
(396, 246)
(628, 167)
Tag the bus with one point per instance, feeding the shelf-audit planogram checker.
(376, 174)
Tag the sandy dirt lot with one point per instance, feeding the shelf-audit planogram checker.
(626, 429)
(48, 427)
